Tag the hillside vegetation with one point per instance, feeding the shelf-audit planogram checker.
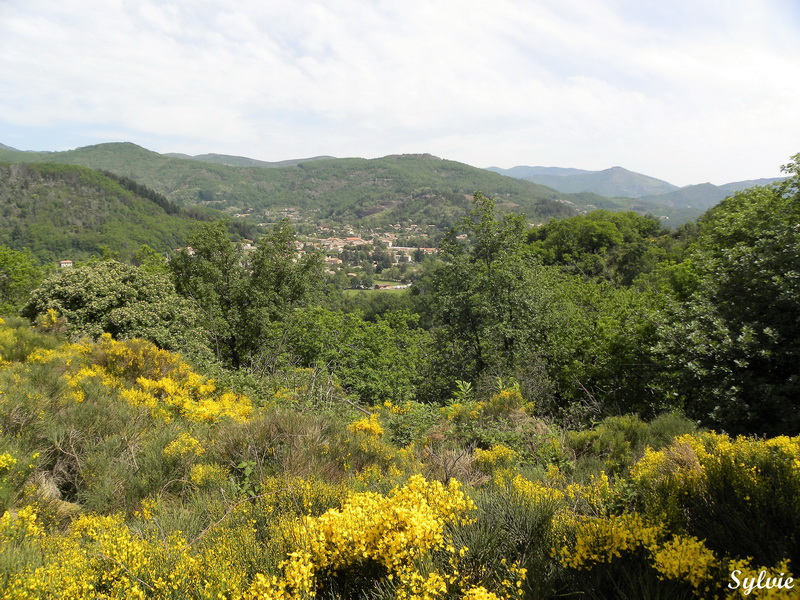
(71, 212)
(420, 187)
(597, 407)
(126, 473)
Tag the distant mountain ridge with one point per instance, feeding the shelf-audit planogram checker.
(420, 188)
(529, 172)
(617, 182)
(243, 161)
(704, 195)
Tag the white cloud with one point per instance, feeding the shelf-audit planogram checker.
(683, 90)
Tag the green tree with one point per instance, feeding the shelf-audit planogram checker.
(730, 342)
(617, 247)
(19, 275)
(149, 260)
(495, 310)
(123, 300)
(238, 294)
(470, 297)
(377, 361)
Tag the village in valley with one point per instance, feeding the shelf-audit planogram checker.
(362, 258)
(369, 260)
(355, 257)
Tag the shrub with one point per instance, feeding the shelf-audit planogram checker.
(739, 494)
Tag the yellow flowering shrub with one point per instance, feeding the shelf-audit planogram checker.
(500, 458)
(7, 461)
(506, 401)
(184, 445)
(370, 425)
(18, 526)
(205, 474)
(501, 405)
(479, 593)
(144, 375)
(695, 496)
(393, 531)
(681, 463)
(572, 499)
(693, 461)
(685, 558)
(99, 557)
(48, 320)
(600, 540)
(719, 488)
(300, 496)
(365, 451)
(678, 558)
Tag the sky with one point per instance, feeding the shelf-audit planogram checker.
(688, 91)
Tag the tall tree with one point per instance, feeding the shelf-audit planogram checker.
(238, 293)
(123, 300)
(494, 309)
(19, 275)
(731, 347)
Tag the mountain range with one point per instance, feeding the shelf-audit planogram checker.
(243, 161)
(617, 182)
(420, 188)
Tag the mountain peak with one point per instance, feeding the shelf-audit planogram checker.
(613, 182)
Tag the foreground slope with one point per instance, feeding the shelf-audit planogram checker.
(126, 473)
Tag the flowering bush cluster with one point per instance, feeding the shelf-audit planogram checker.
(145, 375)
(389, 536)
(125, 473)
(103, 557)
(698, 503)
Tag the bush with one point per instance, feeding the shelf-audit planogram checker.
(619, 441)
(739, 494)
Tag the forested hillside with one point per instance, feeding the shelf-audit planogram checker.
(69, 212)
(418, 187)
(595, 407)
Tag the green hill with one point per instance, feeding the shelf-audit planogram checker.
(72, 212)
(243, 161)
(417, 187)
(613, 182)
(704, 195)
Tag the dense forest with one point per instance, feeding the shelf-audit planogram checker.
(595, 407)
(57, 211)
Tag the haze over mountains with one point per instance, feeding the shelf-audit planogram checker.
(618, 182)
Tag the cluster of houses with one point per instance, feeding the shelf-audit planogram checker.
(335, 245)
